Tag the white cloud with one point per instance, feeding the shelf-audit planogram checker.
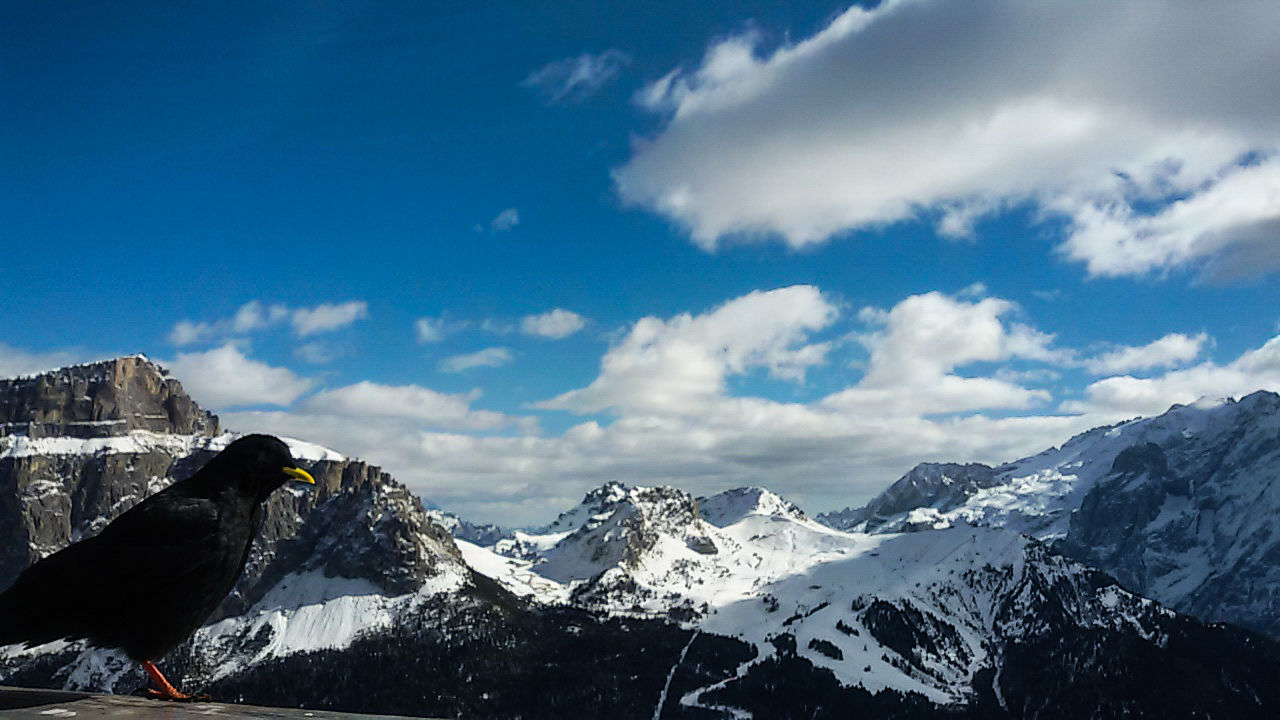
(576, 78)
(410, 402)
(435, 329)
(923, 340)
(555, 324)
(505, 220)
(680, 365)
(15, 362)
(939, 368)
(1124, 396)
(1086, 109)
(224, 377)
(250, 317)
(315, 353)
(327, 317)
(185, 332)
(1169, 351)
(488, 357)
(1234, 222)
(255, 316)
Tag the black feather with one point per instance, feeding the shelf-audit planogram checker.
(154, 574)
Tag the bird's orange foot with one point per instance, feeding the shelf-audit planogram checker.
(165, 690)
(176, 696)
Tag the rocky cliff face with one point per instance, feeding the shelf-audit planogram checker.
(108, 434)
(928, 486)
(84, 444)
(1191, 520)
(100, 399)
(1180, 507)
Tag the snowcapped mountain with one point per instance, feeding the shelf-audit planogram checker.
(648, 602)
(1179, 507)
(931, 613)
(81, 445)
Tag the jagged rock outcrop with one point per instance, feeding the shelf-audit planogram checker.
(83, 444)
(80, 445)
(1180, 507)
(928, 486)
(1191, 520)
(101, 399)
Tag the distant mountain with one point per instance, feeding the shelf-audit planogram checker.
(934, 615)
(637, 603)
(1181, 507)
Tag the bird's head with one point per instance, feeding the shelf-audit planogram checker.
(260, 464)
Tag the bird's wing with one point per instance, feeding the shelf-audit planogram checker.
(109, 572)
(155, 544)
(164, 519)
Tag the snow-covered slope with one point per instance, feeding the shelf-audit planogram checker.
(916, 612)
(1179, 507)
(775, 614)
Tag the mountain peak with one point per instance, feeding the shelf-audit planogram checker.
(101, 399)
(730, 506)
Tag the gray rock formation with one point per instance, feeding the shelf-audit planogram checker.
(1193, 521)
(81, 445)
(927, 485)
(1181, 507)
(100, 399)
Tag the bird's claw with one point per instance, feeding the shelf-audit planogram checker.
(181, 697)
(177, 697)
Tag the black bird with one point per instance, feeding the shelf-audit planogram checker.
(154, 574)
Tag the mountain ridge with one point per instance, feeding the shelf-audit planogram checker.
(1176, 506)
(718, 601)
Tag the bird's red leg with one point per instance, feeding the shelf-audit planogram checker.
(164, 690)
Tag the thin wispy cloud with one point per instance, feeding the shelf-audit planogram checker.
(488, 357)
(315, 353)
(505, 220)
(255, 316)
(577, 78)
(15, 361)
(1172, 350)
(327, 318)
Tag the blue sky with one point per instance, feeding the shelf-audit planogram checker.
(512, 252)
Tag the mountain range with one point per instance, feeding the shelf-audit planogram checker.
(1131, 572)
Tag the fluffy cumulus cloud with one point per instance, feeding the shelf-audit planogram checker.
(225, 377)
(677, 400)
(576, 78)
(555, 324)
(921, 343)
(680, 365)
(255, 316)
(1094, 112)
(946, 377)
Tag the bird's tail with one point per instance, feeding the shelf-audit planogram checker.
(11, 619)
(20, 621)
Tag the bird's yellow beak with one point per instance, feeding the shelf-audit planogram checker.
(300, 475)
